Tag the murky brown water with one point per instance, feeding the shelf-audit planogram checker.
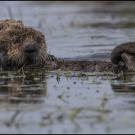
(70, 102)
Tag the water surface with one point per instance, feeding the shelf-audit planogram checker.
(38, 101)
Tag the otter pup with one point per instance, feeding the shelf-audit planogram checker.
(123, 57)
(21, 45)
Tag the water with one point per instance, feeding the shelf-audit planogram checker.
(40, 101)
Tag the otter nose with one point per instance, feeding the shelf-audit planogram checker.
(30, 49)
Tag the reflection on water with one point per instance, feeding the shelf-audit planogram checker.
(16, 87)
(124, 83)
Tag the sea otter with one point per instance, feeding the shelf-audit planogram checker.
(21, 45)
(123, 57)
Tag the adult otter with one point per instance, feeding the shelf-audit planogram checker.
(21, 45)
(123, 57)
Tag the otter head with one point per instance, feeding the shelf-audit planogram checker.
(20, 46)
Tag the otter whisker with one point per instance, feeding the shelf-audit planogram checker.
(41, 57)
(15, 58)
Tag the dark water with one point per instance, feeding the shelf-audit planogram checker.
(38, 101)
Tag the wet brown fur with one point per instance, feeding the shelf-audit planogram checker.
(123, 57)
(14, 37)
